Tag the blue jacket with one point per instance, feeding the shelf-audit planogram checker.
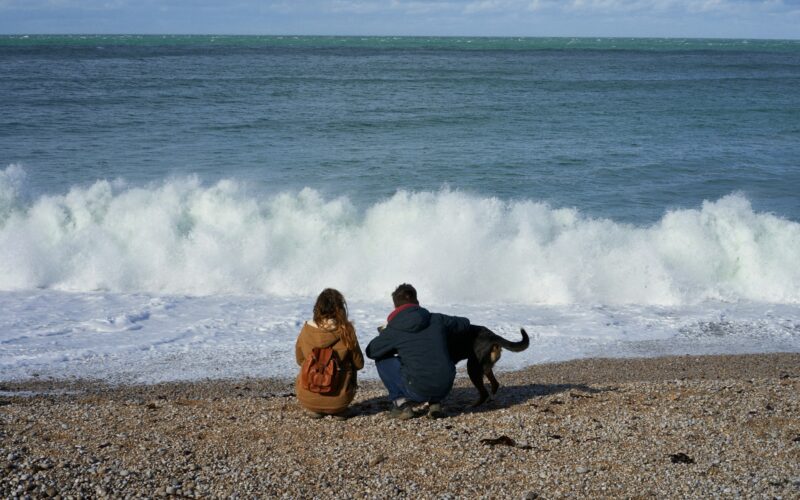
(419, 339)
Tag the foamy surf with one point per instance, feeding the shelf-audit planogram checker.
(142, 338)
(183, 237)
(182, 280)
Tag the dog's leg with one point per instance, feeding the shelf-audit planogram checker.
(475, 372)
(490, 375)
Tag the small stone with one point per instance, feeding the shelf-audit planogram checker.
(681, 458)
(376, 460)
(169, 490)
(124, 473)
(582, 470)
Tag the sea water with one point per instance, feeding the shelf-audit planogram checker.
(170, 206)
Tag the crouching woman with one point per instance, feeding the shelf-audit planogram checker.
(332, 392)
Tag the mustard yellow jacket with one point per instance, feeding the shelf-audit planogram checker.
(312, 336)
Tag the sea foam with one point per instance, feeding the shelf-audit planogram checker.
(182, 236)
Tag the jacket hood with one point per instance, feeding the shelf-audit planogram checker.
(412, 319)
(320, 336)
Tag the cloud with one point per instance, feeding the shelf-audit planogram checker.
(88, 5)
(387, 6)
(493, 6)
(356, 7)
(421, 6)
(633, 6)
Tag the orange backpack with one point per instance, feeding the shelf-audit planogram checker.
(320, 371)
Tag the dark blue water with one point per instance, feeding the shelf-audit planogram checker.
(619, 129)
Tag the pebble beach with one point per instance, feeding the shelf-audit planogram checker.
(672, 427)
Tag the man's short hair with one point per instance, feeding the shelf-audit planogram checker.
(404, 294)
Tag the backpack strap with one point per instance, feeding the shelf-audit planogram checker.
(324, 355)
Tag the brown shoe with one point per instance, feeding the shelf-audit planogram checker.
(402, 412)
(435, 411)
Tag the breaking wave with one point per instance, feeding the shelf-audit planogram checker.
(184, 237)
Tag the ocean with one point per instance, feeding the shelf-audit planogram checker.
(171, 205)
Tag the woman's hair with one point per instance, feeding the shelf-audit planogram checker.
(331, 305)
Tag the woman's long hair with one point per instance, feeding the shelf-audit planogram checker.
(331, 308)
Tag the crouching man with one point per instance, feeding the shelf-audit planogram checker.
(411, 355)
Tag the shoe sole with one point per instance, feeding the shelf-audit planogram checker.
(402, 415)
(435, 411)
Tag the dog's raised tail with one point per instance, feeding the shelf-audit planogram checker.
(516, 346)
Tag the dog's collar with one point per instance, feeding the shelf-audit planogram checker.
(398, 310)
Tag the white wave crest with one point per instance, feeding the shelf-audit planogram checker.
(182, 237)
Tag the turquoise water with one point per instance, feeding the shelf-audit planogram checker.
(170, 206)
(619, 128)
(407, 42)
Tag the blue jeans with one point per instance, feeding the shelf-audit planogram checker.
(389, 371)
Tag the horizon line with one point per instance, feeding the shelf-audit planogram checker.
(408, 36)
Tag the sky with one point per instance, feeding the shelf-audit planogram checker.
(589, 18)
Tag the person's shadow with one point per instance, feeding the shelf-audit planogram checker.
(463, 396)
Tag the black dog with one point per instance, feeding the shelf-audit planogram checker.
(481, 348)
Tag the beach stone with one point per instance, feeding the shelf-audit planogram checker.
(258, 454)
